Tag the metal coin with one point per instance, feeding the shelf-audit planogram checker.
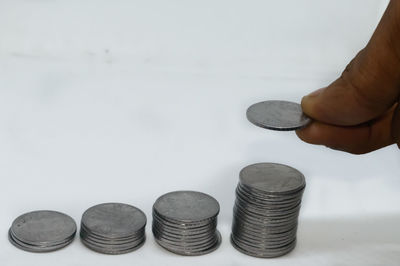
(198, 244)
(187, 206)
(277, 115)
(265, 197)
(267, 210)
(138, 234)
(185, 252)
(109, 251)
(38, 249)
(112, 245)
(247, 227)
(114, 220)
(264, 220)
(183, 224)
(265, 248)
(183, 233)
(263, 233)
(263, 244)
(105, 241)
(262, 253)
(272, 178)
(267, 205)
(182, 240)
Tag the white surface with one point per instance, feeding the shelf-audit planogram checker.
(126, 100)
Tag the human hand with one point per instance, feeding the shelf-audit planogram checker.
(360, 111)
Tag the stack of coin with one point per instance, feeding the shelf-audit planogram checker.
(113, 228)
(268, 199)
(185, 223)
(42, 231)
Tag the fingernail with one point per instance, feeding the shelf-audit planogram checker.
(315, 93)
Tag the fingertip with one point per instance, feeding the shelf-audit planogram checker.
(309, 134)
(309, 101)
(315, 93)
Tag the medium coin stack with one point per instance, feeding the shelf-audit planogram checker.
(113, 228)
(42, 231)
(268, 199)
(185, 223)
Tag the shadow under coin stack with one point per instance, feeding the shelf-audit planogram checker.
(113, 228)
(185, 223)
(42, 231)
(268, 199)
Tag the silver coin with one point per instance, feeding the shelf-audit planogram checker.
(180, 225)
(262, 253)
(187, 206)
(266, 197)
(185, 250)
(262, 230)
(114, 220)
(109, 251)
(183, 243)
(272, 178)
(187, 233)
(277, 115)
(262, 205)
(265, 248)
(265, 237)
(183, 239)
(267, 210)
(264, 219)
(189, 252)
(267, 213)
(262, 243)
(39, 249)
(112, 245)
(106, 241)
(135, 236)
(42, 231)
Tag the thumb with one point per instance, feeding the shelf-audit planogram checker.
(370, 84)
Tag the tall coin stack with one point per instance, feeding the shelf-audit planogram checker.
(113, 228)
(185, 223)
(268, 199)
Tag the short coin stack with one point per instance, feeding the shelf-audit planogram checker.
(42, 231)
(268, 199)
(185, 223)
(113, 228)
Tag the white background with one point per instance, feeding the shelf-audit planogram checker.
(124, 101)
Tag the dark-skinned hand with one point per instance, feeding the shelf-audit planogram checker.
(360, 112)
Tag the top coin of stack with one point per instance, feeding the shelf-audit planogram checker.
(268, 199)
(185, 223)
(42, 231)
(113, 228)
